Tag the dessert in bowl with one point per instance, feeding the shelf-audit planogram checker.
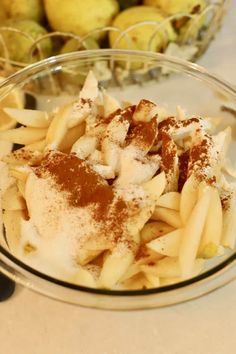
(118, 199)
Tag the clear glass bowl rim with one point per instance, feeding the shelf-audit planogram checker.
(180, 65)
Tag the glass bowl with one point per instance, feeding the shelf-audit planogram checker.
(129, 75)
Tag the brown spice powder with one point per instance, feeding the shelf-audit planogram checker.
(199, 160)
(168, 153)
(183, 169)
(125, 114)
(83, 185)
(144, 133)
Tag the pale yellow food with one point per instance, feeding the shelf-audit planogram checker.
(156, 236)
(80, 17)
(19, 45)
(172, 7)
(3, 14)
(24, 9)
(188, 15)
(141, 36)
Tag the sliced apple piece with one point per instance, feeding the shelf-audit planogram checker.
(114, 267)
(131, 271)
(71, 137)
(90, 87)
(188, 198)
(20, 172)
(5, 148)
(169, 216)
(170, 200)
(134, 169)
(167, 244)
(5, 181)
(6, 122)
(104, 171)
(23, 135)
(12, 199)
(156, 186)
(143, 111)
(111, 154)
(153, 230)
(84, 146)
(192, 233)
(84, 278)
(110, 104)
(58, 128)
(29, 117)
(154, 280)
(166, 267)
(212, 232)
(37, 146)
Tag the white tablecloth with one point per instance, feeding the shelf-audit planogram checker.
(33, 324)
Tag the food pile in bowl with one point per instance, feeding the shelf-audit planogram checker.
(116, 195)
(33, 29)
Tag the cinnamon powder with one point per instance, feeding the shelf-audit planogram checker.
(85, 188)
(183, 169)
(83, 185)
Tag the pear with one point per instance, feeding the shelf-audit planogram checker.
(80, 17)
(139, 37)
(3, 14)
(172, 7)
(188, 28)
(73, 45)
(24, 9)
(18, 45)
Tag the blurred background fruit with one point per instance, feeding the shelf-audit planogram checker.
(181, 27)
(18, 45)
(172, 7)
(187, 20)
(80, 17)
(140, 36)
(24, 9)
(3, 14)
(73, 45)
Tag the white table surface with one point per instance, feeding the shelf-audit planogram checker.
(33, 324)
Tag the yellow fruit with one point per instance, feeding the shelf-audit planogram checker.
(2, 12)
(24, 9)
(80, 17)
(188, 28)
(141, 35)
(18, 46)
(172, 7)
(73, 45)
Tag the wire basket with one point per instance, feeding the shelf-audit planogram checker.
(200, 29)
